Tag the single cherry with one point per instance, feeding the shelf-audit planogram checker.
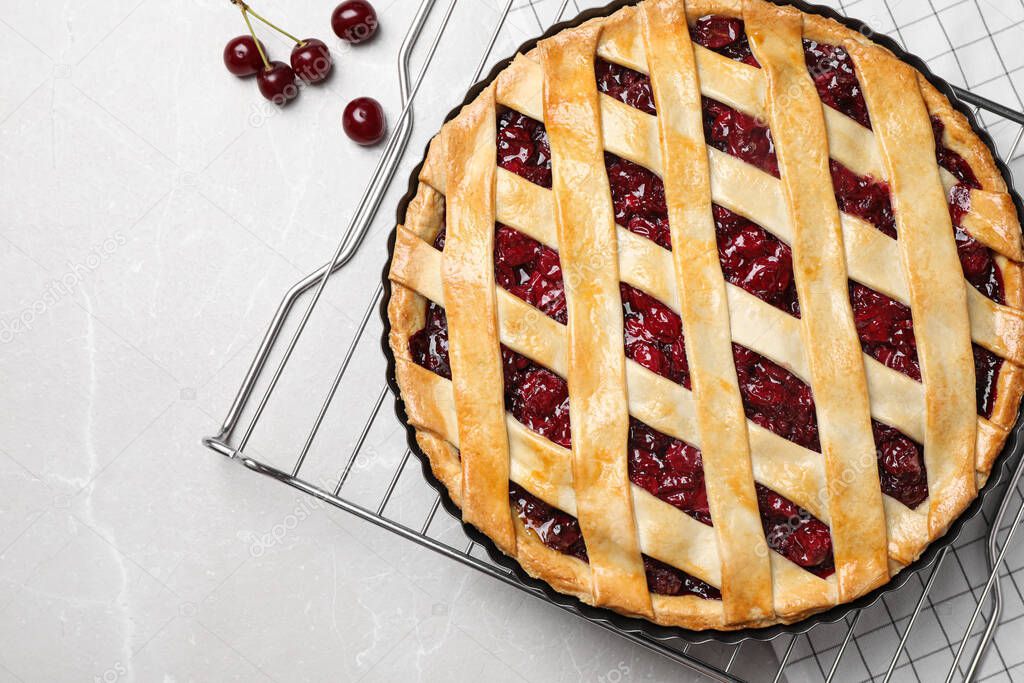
(355, 21)
(242, 56)
(311, 60)
(363, 121)
(277, 83)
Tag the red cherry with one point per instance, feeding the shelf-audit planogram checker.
(242, 57)
(311, 60)
(277, 83)
(363, 121)
(716, 32)
(354, 21)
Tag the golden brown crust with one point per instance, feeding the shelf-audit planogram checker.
(596, 368)
(908, 529)
(929, 254)
(838, 378)
(728, 474)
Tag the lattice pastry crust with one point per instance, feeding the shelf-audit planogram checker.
(475, 447)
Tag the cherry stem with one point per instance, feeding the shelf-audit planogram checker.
(246, 8)
(259, 48)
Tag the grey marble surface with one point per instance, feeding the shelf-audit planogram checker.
(154, 210)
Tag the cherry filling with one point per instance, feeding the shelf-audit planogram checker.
(625, 85)
(900, 465)
(950, 160)
(863, 197)
(725, 128)
(723, 35)
(834, 77)
(740, 135)
(755, 260)
(530, 270)
(869, 199)
(752, 259)
(986, 372)
(978, 261)
(775, 399)
(638, 196)
(653, 335)
(429, 346)
(664, 579)
(795, 533)
(555, 529)
(885, 329)
(979, 265)
(790, 530)
(674, 472)
(669, 469)
(536, 397)
(523, 147)
(772, 397)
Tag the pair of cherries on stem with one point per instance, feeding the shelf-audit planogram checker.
(245, 55)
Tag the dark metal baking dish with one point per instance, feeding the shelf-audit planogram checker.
(1011, 451)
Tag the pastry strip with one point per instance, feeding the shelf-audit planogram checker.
(928, 252)
(474, 349)
(596, 360)
(831, 345)
(746, 570)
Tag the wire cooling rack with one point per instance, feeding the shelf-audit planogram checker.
(942, 625)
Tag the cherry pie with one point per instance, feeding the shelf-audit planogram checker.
(710, 312)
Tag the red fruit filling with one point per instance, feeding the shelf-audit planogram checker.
(772, 396)
(429, 346)
(832, 70)
(755, 260)
(950, 160)
(723, 35)
(740, 135)
(638, 196)
(900, 465)
(530, 270)
(625, 85)
(864, 197)
(653, 335)
(978, 261)
(986, 372)
(886, 329)
(795, 533)
(725, 128)
(561, 532)
(536, 397)
(867, 198)
(669, 469)
(751, 257)
(979, 264)
(523, 147)
(674, 472)
(555, 529)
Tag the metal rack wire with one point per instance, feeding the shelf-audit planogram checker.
(367, 491)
